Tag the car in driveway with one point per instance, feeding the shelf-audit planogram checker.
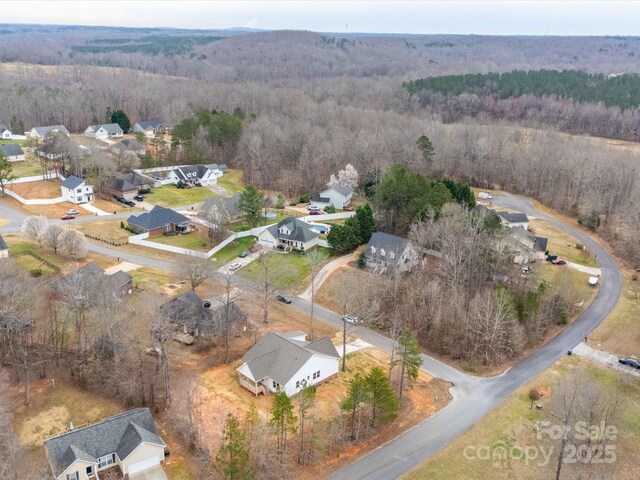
(139, 198)
(67, 217)
(629, 362)
(73, 211)
(559, 262)
(234, 266)
(243, 254)
(313, 208)
(350, 319)
(315, 212)
(283, 299)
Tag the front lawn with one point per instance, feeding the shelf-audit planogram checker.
(562, 244)
(232, 181)
(170, 196)
(27, 168)
(232, 250)
(109, 231)
(192, 241)
(288, 270)
(280, 215)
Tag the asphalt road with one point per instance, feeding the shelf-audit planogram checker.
(474, 396)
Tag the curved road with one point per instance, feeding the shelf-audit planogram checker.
(473, 396)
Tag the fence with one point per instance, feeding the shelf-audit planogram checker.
(36, 178)
(142, 241)
(34, 201)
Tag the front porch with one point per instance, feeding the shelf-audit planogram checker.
(251, 385)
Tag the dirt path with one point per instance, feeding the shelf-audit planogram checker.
(325, 272)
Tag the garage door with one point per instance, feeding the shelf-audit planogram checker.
(143, 465)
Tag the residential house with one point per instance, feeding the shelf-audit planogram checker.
(149, 127)
(5, 133)
(128, 145)
(228, 205)
(40, 133)
(122, 282)
(75, 190)
(93, 279)
(4, 248)
(287, 362)
(12, 152)
(385, 251)
(524, 245)
(339, 196)
(158, 221)
(194, 175)
(197, 317)
(289, 234)
(513, 220)
(102, 132)
(126, 185)
(127, 443)
(218, 166)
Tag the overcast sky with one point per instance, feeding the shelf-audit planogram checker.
(462, 17)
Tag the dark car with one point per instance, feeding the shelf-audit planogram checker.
(630, 362)
(67, 217)
(283, 299)
(243, 254)
(121, 200)
(130, 203)
(139, 198)
(315, 212)
(559, 262)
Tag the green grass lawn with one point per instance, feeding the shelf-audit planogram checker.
(192, 241)
(232, 250)
(28, 168)
(232, 181)
(280, 215)
(22, 143)
(290, 271)
(170, 196)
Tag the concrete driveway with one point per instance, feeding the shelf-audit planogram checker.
(603, 358)
(154, 473)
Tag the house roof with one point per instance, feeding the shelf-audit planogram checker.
(316, 197)
(3, 244)
(381, 245)
(129, 145)
(121, 278)
(278, 357)
(149, 124)
(119, 434)
(343, 190)
(189, 173)
(130, 181)
(541, 244)
(300, 231)
(72, 182)
(158, 217)
(111, 128)
(218, 166)
(122, 185)
(482, 210)
(226, 204)
(514, 217)
(11, 149)
(188, 309)
(4, 128)
(44, 131)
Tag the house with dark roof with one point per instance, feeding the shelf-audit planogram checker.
(149, 127)
(200, 318)
(227, 205)
(289, 234)
(126, 185)
(339, 196)
(40, 133)
(102, 132)
(4, 248)
(524, 245)
(5, 132)
(159, 220)
(385, 251)
(12, 152)
(287, 362)
(128, 145)
(194, 175)
(75, 190)
(128, 442)
(513, 220)
(92, 278)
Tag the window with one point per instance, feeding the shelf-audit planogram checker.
(89, 469)
(298, 384)
(78, 190)
(78, 199)
(73, 476)
(392, 255)
(106, 460)
(382, 252)
(316, 374)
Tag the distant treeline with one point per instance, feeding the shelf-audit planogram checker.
(622, 91)
(150, 44)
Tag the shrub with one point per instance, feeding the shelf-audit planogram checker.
(121, 224)
(144, 191)
(330, 209)
(35, 272)
(306, 198)
(362, 261)
(579, 246)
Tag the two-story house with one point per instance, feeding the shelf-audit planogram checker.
(75, 190)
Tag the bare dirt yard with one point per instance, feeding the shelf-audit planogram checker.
(40, 189)
(54, 211)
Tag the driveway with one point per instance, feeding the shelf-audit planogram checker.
(95, 210)
(153, 473)
(325, 272)
(242, 261)
(603, 358)
(594, 272)
(122, 266)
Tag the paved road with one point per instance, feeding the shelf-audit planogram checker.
(474, 397)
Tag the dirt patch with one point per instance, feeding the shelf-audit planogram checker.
(44, 425)
(35, 190)
(107, 231)
(54, 211)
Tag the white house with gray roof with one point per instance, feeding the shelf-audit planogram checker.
(514, 220)
(287, 362)
(12, 152)
(40, 133)
(75, 190)
(129, 442)
(149, 127)
(5, 132)
(385, 251)
(102, 132)
(289, 234)
(194, 174)
(339, 196)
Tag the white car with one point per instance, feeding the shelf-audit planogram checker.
(350, 319)
(72, 211)
(312, 208)
(234, 266)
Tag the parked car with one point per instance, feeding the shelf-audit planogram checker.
(121, 200)
(312, 208)
(130, 203)
(315, 212)
(234, 266)
(283, 299)
(72, 211)
(139, 198)
(350, 319)
(630, 362)
(243, 254)
(67, 217)
(558, 262)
